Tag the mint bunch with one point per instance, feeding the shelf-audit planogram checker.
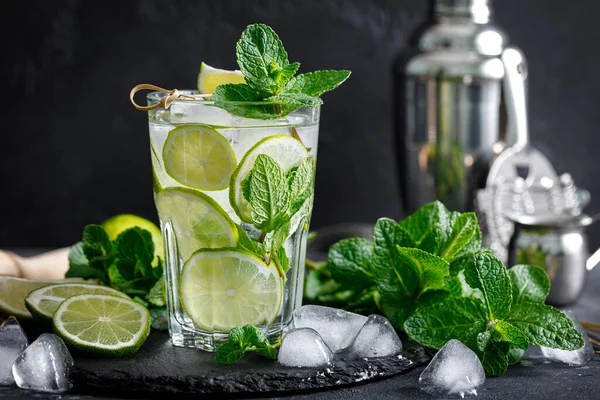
(430, 276)
(271, 79)
(278, 201)
(126, 264)
(241, 340)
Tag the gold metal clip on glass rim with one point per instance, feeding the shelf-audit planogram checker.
(164, 102)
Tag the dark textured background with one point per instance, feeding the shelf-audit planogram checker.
(74, 151)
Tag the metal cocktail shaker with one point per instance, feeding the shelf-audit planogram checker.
(450, 114)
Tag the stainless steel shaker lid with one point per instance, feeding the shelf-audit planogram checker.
(549, 220)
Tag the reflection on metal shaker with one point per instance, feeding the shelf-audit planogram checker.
(449, 107)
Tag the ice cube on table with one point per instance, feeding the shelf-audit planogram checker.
(44, 366)
(574, 358)
(338, 328)
(303, 347)
(454, 371)
(377, 338)
(13, 341)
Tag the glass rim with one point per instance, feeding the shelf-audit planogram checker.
(154, 98)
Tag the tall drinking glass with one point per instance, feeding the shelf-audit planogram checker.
(221, 270)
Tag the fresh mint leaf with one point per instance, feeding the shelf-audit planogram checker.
(159, 318)
(300, 183)
(240, 340)
(515, 356)
(296, 99)
(229, 353)
(432, 270)
(80, 268)
(529, 284)
(420, 224)
(245, 186)
(483, 339)
(140, 301)
(260, 55)
(456, 318)
(157, 295)
(545, 326)
(286, 73)
(135, 253)
(453, 286)
(458, 264)
(284, 261)
(465, 237)
(394, 280)
(96, 242)
(495, 358)
(237, 92)
(318, 82)
(432, 296)
(486, 273)
(506, 332)
(349, 262)
(269, 197)
(245, 243)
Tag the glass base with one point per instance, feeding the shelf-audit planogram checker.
(182, 336)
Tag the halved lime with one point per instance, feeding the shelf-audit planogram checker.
(43, 302)
(102, 324)
(209, 78)
(14, 290)
(199, 222)
(224, 288)
(285, 150)
(198, 156)
(119, 223)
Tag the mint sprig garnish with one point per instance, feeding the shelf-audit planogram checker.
(278, 200)
(430, 276)
(126, 264)
(271, 79)
(242, 340)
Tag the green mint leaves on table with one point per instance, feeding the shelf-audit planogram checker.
(272, 79)
(126, 264)
(241, 340)
(432, 279)
(278, 201)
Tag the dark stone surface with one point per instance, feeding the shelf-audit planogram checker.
(161, 368)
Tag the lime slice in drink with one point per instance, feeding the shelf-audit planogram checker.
(43, 302)
(285, 150)
(102, 324)
(198, 156)
(209, 78)
(224, 288)
(199, 222)
(14, 290)
(119, 223)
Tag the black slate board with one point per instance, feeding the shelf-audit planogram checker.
(160, 368)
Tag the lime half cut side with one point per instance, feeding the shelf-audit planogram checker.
(43, 302)
(199, 222)
(198, 156)
(102, 324)
(225, 288)
(285, 150)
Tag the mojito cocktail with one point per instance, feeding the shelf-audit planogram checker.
(234, 169)
(222, 270)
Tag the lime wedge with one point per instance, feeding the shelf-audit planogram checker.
(43, 302)
(209, 78)
(119, 223)
(198, 156)
(224, 288)
(199, 222)
(14, 290)
(285, 150)
(102, 324)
